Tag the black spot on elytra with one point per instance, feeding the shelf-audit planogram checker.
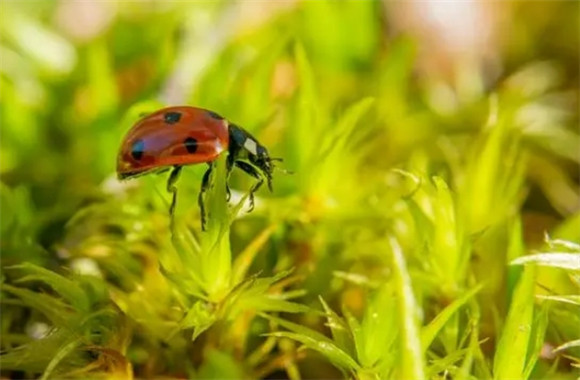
(137, 149)
(215, 115)
(190, 144)
(172, 117)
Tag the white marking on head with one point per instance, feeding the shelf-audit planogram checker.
(251, 146)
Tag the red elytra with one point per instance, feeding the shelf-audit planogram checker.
(172, 136)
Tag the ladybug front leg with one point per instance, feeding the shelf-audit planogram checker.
(254, 173)
(254, 188)
(204, 187)
(171, 188)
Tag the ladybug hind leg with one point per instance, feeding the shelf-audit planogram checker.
(204, 187)
(171, 188)
(230, 162)
(254, 173)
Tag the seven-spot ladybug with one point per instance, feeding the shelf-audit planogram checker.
(177, 136)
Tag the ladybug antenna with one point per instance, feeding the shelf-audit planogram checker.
(285, 171)
(277, 168)
(278, 159)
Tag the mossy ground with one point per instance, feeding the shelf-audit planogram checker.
(430, 227)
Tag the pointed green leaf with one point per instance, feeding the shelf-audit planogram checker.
(510, 355)
(66, 288)
(244, 260)
(570, 344)
(356, 331)
(571, 299)
(270, 304)
(337, 356)
(429, 332)
(54, 309)
(216, 256)
(569, 261)
(200, 317)
(59, 356)
(537, 341)
(338, 328)
(379, 328)
(412, 365)
(465, 369)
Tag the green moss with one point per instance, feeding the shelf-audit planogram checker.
(423, 224)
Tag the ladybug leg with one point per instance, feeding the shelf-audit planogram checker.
(254, 173)
(204, 187)
(229, 166)
(252, 191)
(230, 161)
(228, 193)
(171, 188)
(269, 179)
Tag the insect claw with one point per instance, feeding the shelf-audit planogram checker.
(228, 193)
(200, 197)
(251, 208)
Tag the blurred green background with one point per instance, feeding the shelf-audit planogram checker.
(450, 126)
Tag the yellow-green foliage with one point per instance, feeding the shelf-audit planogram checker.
(424, 223)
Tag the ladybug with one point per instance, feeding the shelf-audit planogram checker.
(176, 136)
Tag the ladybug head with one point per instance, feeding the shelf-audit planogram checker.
(263, 161)
(244, 146)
